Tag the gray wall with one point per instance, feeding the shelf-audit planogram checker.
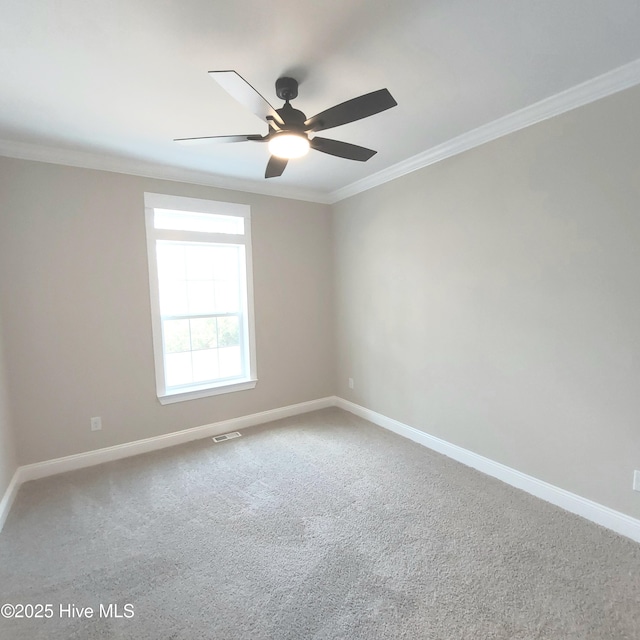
(74, 288)
(8, 460)
(493, 300)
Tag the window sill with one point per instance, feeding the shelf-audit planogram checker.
(194, 394)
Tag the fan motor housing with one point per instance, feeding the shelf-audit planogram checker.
(293, 118)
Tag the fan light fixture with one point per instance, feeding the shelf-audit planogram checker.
(289, 145)
(291, 134)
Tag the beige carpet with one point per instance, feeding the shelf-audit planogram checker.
(316, 527)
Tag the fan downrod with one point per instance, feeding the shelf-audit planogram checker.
(287, 88)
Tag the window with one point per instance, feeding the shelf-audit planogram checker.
(201, 296)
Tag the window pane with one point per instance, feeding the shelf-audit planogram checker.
(201, 298)
(205, 365)
(171, 261)
(177, 369)
(199, 260)
(173, 298)
(203, 333)
(176, 336)
(228, 331)
(227, 297)
(230, 362)
(225, 263)
(206, 222)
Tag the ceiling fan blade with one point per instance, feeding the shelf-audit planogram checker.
(237, 87)
(342, 149)
(275, 167)
(207, 139)
(351, 110)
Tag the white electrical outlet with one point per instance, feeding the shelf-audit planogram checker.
(96, 423)
(636, 480)
(350, 383)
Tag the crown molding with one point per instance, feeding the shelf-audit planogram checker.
(100, 162)
(601, 86)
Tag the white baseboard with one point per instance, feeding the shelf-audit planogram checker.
(98, 456)
(604, 516)
(108, 454)
(8, 498)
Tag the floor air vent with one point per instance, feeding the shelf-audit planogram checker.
(226, 436)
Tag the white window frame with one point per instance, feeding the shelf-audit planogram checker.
(196, 205)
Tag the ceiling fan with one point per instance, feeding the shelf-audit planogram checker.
(291, 133)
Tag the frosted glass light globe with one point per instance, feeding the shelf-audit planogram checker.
(289, 145)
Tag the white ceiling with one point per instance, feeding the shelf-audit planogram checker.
(122, 78)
